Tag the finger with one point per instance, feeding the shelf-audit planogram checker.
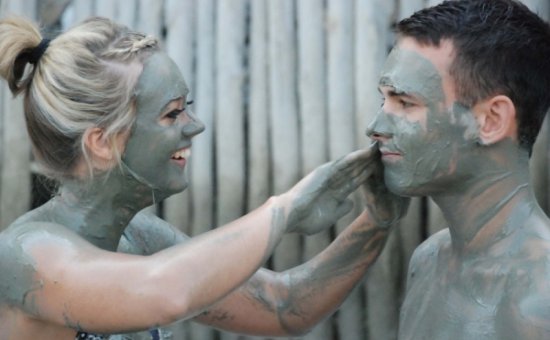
(356, 158)
(355, 167)
(357, 175)
(354, 182)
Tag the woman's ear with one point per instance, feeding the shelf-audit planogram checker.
(496, 118)
(101, 149)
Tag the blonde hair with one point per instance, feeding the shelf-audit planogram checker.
(85, 78)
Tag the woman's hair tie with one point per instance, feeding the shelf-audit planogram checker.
(36, 53)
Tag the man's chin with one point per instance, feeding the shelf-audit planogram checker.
(401, 187)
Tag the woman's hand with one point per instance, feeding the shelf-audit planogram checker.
(384, 207)
(320, 199)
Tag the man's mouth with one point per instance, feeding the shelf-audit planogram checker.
(389, 154)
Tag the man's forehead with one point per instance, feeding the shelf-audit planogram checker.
(441, 56)
(407, 71)
(419, 70)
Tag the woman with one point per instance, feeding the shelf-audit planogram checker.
(107, 115)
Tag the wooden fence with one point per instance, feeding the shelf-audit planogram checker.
(282, 86)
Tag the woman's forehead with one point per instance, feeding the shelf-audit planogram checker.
(159, 83)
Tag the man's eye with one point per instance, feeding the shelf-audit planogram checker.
(405, 103)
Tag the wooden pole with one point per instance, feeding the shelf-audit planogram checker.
(259, 151)
(285, 143)
(313, 115)
(15, 152)
(230, 125)
(180, 33)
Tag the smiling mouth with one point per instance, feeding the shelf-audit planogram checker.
(181, 156)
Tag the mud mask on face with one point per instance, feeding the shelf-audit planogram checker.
(434, 142)
(151, 145)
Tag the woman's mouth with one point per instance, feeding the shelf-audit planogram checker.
(181, 156)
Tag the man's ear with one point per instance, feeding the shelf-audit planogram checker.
(496, 118)
(101, 149)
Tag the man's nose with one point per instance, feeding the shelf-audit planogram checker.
(193, 126)
(381, 127)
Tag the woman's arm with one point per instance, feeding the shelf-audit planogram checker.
(292, 302)
(75, 284)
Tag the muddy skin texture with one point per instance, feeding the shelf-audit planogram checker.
(156, 87)
(99, 210)
(288, 296)
(310, 216)
(486, 277)
(106, 212)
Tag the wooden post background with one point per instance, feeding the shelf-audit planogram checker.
(283, 86)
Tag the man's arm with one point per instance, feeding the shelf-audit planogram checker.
(292, 302)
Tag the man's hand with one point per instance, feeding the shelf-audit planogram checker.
(320, 199)
(385, 208)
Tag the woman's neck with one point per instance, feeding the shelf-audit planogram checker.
(99, 209)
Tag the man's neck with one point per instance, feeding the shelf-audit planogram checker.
(493, 204)
(100, 209)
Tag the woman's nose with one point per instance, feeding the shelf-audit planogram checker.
(381, 127)
(193, 126)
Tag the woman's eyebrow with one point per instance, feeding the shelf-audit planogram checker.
(165, 107)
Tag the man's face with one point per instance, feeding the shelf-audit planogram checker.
(424, 136)
(159, 145)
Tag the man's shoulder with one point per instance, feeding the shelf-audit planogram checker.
(431, 247)
(424, 259)
(524, 311)
(525, 308)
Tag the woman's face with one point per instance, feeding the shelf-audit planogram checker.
(159, 144)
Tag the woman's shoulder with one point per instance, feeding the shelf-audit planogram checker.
(20, 244)
(147, 234)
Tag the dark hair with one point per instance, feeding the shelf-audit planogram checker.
(501, 47)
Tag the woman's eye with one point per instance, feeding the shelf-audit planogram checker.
(174, 114)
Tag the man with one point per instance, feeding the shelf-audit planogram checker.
(465, 92)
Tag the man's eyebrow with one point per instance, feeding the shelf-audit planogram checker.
(396, 93)
(393, 92)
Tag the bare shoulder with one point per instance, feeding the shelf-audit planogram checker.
(20, 244)
(147, 234)
(426, 254)
(524, 312)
